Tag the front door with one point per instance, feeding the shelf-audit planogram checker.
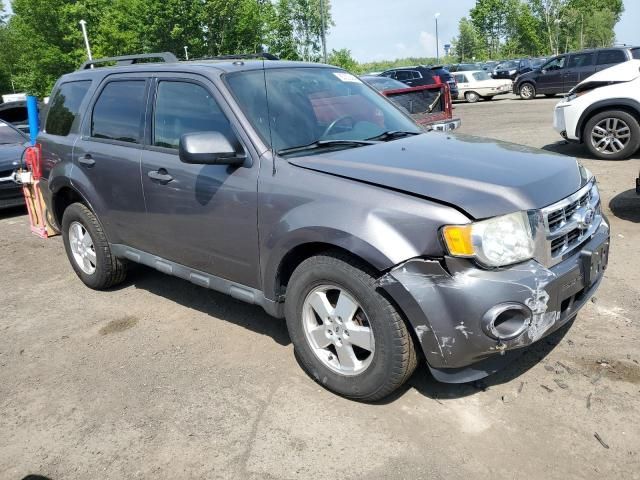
(579, 67)
(550, 79)
(108, 156)
(200, 216)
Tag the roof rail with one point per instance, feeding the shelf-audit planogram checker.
(166, 57)
(243, 56)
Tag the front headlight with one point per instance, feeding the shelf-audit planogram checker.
(495, 242)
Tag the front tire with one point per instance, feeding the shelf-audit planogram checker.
(527, 91)
(88, 249)
(471, 97)
(612, 135)
(347, 336)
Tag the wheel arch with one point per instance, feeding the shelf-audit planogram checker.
(628, 105)
(278, 272)
(62, 196)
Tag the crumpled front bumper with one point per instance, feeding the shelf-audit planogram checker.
(445, 302)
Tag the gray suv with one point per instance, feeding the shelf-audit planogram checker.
(299, 188)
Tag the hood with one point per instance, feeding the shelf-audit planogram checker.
(482, 177)
(623, 72)
(10, 156)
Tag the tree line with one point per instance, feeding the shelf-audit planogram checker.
(42, 40)
(509, 28)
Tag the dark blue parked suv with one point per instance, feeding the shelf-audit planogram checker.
(299, 188)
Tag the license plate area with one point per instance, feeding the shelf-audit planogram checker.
(594, 263)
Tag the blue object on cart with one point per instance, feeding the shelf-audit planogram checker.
(32, 112)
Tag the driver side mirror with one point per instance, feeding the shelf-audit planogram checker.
(209, 148)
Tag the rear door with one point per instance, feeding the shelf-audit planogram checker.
(609, 58)
(579, 67)
(108, 156)
(551, 77)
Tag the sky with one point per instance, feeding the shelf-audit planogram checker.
(389, 29)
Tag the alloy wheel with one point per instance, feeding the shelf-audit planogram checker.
(526, 91)
(338, 330)
(610, 136)
(82, 248)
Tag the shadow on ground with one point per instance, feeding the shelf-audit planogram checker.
(213, 304)
(12, 212)
(572, 149)
(251, 317)
(425, 384)
(626, 205)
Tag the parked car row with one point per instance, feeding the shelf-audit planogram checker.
(563, 72)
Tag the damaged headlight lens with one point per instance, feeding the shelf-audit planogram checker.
(495, 242)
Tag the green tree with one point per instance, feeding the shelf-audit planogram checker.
(490, 18)
(467, 45)
(342, 58)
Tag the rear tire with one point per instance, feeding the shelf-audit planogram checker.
(612, 135)
(319, 289)
(471, 97)
(88, 249)
(527, 91)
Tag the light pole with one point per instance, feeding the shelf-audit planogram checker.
(83, 25)
(437, 40)
(324, 31)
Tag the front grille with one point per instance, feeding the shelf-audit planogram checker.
(571, 222)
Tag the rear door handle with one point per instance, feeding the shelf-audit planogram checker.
(87, 161)
(161, 176)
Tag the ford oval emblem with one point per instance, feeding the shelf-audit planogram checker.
(586, 218)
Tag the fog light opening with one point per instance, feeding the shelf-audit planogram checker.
(507, 321)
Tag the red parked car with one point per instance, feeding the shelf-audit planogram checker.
(429, 105)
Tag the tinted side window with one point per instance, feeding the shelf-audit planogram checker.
(555, 64)
(119, 111)
(183, 107)
(607, 57)
(580, 60)
(403, 75)
(635, 53)
(64, 107)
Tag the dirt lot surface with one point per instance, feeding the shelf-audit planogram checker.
(161, 379)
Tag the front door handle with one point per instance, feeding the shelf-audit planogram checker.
(161, 176)
(86, 160)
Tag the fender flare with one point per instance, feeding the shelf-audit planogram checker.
(319, 235)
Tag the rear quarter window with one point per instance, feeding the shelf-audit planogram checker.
(64, 107)
(635, 53)
(607, 57)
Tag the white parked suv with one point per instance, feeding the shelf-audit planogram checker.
(603, 112)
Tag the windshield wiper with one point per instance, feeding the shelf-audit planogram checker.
(392, 135)
(319, 144)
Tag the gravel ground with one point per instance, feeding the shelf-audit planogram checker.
(162, 379)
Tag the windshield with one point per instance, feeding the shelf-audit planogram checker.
(305, 105)
(9, 135)
(479, 76)
(508, 66)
